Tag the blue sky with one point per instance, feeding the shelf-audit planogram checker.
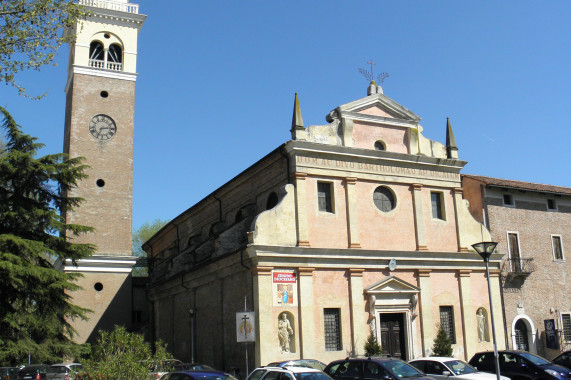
(217, 81)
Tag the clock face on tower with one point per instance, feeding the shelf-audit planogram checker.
(102, 127)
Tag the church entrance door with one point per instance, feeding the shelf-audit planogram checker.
(392, 334)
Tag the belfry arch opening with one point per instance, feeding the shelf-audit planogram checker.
(106, 53)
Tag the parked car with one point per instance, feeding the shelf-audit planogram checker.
(31, 372)
(287, 373)
(442, 368)
(62, 371)
(199, 375)
(520, 365)
(8, 373)
(308, 363)
(564, 359)
(373, 368)
(192, 367)
(159, 369)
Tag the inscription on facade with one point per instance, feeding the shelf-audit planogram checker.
(376, 168)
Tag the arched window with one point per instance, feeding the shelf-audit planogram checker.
(384, 199)
(379, 145)
(115, 54)
(96, 53)
(272, 200)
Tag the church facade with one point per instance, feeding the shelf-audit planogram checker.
(351, 228)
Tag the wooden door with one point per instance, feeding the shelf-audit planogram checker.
(392, 335)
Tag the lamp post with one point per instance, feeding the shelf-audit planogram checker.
(485, 250)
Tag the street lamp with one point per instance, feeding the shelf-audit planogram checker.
(485, 250)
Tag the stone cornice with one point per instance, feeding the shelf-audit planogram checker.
(368, 259)
(106, 264)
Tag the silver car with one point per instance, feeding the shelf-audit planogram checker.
(62, 371)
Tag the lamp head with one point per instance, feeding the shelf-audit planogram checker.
(485, 249)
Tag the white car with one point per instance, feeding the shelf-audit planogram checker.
(287, 373)
(441, 368)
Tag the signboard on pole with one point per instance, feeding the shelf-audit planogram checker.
(551, 334)
(245, 330)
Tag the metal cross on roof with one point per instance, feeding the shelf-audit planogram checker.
(369, 75)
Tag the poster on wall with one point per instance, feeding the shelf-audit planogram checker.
(285, 287)
(551, 340)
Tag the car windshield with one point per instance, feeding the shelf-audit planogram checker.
(537, 360)
(458, 367)
(401, 369)
(209, 376)
(311, 376)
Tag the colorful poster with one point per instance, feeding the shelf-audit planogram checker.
(285, 287)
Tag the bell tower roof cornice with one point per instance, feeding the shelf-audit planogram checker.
(117, 10)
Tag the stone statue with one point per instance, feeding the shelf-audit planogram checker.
(481, 325)
(285, 332)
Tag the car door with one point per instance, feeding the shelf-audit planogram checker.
(347, 370)
(516, 367)
(435, 369)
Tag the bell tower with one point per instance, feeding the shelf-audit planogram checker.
(99, 125)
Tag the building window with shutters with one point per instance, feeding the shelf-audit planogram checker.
(437, 201)
(447, 322)
(325, 197)
(557, 248)
(332, 328)
(514, 252)
(566, 326)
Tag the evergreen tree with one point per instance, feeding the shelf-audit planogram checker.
(372, 347)
(35, 301)
(442, 344)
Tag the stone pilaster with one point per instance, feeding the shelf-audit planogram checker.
(301, 209)
(357, 309)
(457, 193)
(262, 306)
(427, 323)
(498, 312)
(306, 313)
(420, 232)
(468, 314)
(353, 230)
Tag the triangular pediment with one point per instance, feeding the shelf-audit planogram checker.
(392, 285)
(377, 105)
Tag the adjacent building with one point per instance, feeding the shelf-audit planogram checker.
(351, 228)
(532, 224)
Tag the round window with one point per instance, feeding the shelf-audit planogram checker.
(384, 199)
(379, 145)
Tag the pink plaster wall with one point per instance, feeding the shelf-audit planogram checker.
(331, 290)
(327, 230)
(365, 135)
(440, 234)
(445, 290)
(375, 111)
(377, 228)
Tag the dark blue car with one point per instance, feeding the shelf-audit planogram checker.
(199, 375)
(520, 365)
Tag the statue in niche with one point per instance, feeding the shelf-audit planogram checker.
(285, 332)
(481, 318)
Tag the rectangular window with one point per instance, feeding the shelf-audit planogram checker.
(551, 204)
(437, 201)
(332, 328)
(324, 196)
(447, 322)
(513, 249)
(557, 247)
(566, 322)
(508, 200)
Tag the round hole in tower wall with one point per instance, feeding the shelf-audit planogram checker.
(104, 94)
(98, 286)
(106, 35)
(100, 182)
